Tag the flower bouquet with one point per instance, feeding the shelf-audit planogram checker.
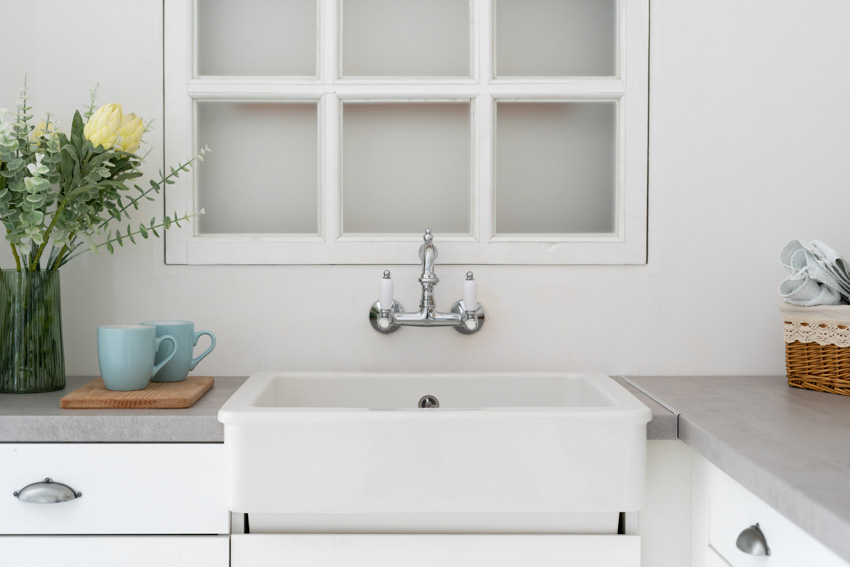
(61, 193)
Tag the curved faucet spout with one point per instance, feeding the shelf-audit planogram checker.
(428, 262)
(428, 255)
(429, 279)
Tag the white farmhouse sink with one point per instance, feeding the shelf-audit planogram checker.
(504, 453)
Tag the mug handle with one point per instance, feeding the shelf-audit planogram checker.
(159, 340)
(201, 356)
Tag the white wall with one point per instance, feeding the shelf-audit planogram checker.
(749, 147)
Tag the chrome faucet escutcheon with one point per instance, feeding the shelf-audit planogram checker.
(466, 316)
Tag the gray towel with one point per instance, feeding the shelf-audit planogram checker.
(817, 275)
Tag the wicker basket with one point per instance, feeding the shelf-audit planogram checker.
(817, 347)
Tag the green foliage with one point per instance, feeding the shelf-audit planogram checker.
(57, 190)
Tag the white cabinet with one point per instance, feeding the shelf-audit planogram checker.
(425, 550)
(115, 551)
(140, 504)
(722, 509)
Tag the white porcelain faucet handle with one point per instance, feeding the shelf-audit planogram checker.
(470, 293)
(385, 299)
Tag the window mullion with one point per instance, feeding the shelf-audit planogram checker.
(483, 198)
(482, 19)
(328, 39)
(330, 149)
(604, 88)
(246, 89)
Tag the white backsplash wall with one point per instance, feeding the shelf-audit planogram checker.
(749, 147)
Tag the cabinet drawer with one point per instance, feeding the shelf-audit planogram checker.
(732, 509)
(115, 551)
(126, 488)
(362, 550)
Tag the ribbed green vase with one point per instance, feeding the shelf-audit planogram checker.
(31, 355)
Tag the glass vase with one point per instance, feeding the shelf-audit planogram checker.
(31, 355)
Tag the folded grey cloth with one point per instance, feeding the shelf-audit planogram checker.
(817, 275)
(834, 263)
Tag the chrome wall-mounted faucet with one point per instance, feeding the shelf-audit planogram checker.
(466, 316)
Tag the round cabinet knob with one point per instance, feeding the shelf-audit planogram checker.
(752, 541)
(47, 492)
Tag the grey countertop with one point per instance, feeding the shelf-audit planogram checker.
(37, 418)
(788, 446)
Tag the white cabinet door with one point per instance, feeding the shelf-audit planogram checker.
(722, 508)
(114, 551)
(139, 488)
(732, 509)
(360, 550)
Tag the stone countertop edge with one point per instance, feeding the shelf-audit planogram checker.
(664, 425)
(37, 418)
(788, 446)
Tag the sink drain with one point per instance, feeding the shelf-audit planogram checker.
(428, 402)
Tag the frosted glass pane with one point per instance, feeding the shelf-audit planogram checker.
(555, 167)
(406, 167)
(262, 174)
(256, 37)
(401, 38)
(552, 38)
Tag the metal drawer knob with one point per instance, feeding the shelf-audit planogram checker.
(752, 541)
(47, 492)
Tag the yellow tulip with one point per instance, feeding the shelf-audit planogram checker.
(130, 133)
(102, 129)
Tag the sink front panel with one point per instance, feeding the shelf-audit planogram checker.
(445, 464)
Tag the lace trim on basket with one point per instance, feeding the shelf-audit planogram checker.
(823, 332)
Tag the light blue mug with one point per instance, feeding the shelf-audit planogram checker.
(126, 355)
(182, 363)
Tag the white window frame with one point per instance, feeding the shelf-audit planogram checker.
(629, 88)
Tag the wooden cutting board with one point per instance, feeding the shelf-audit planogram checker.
(158, 395)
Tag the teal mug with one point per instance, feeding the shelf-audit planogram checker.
(125, 354)
(186, 337)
